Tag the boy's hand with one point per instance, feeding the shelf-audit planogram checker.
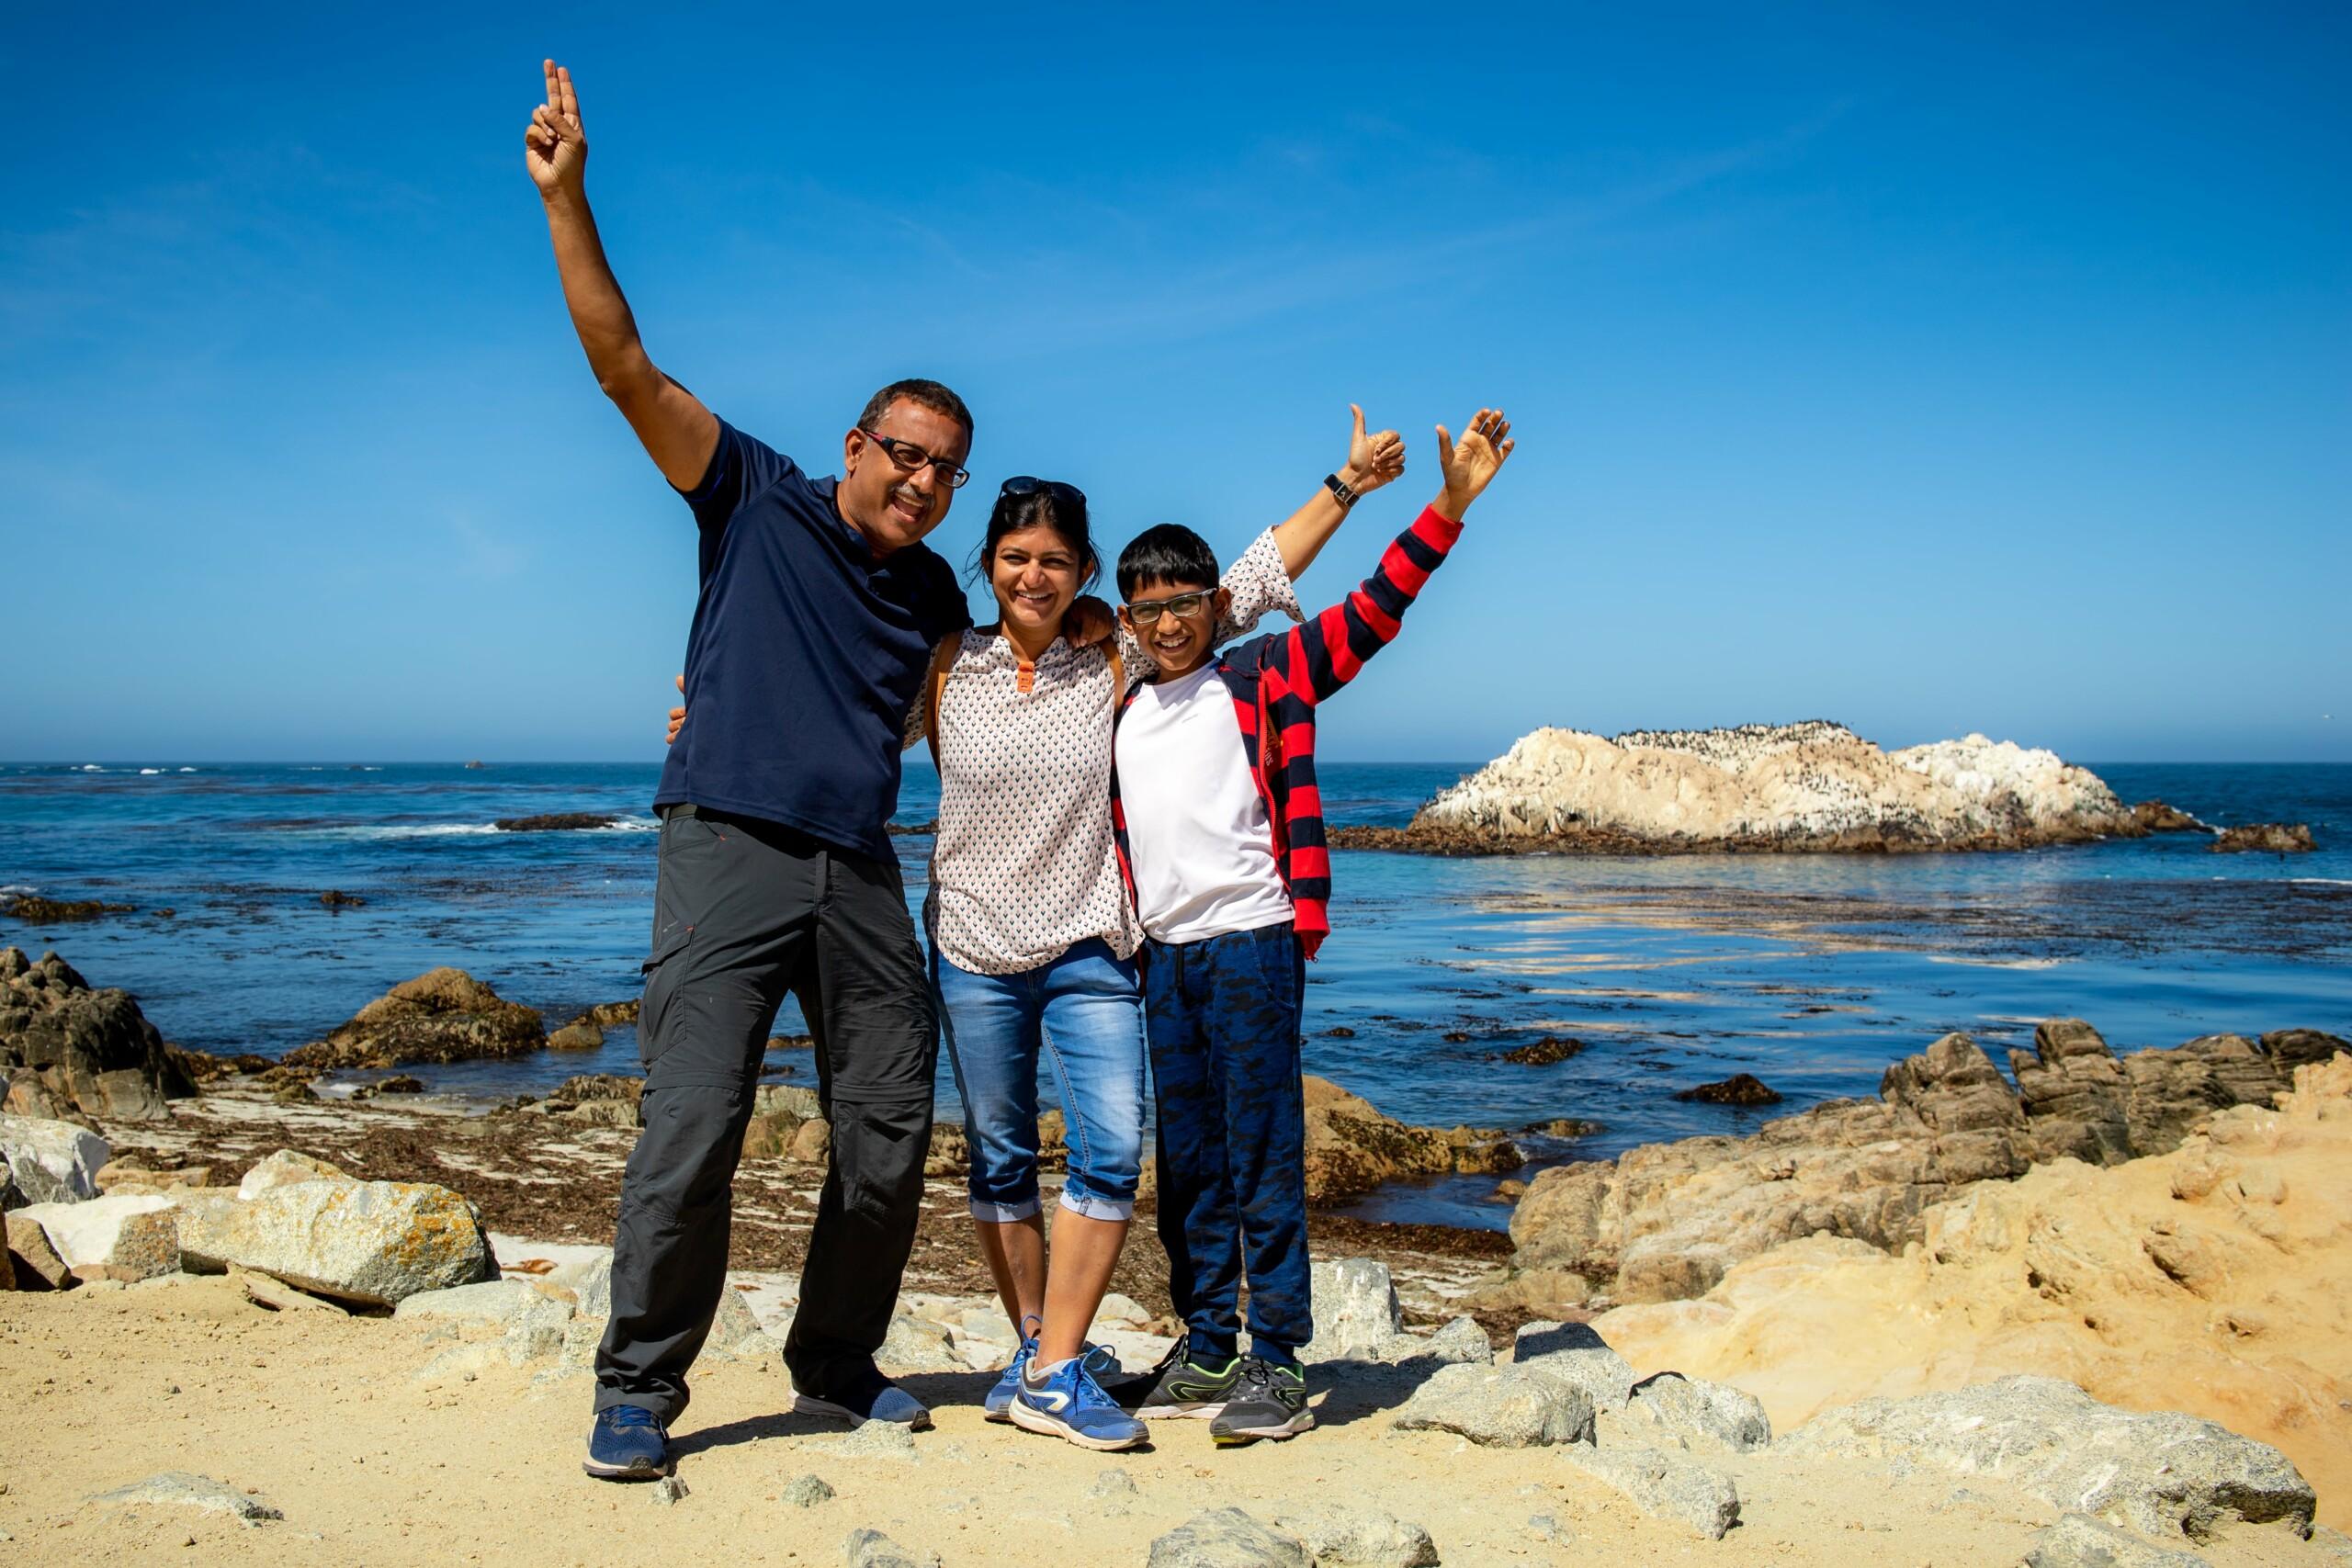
(1373, 459)
(555, 150)
(1469, 463)
(1088, 621)
(677, 716)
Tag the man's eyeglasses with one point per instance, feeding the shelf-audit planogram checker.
(909, 456)
(1025, 484)
(1184, 607)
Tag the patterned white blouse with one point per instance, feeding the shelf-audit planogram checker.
(1023, 867)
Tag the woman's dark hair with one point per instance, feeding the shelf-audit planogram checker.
(1167, 552)
(1059, 507)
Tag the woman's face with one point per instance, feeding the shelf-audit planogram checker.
(1034, 573)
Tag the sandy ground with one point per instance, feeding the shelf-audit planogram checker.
(326, 1417)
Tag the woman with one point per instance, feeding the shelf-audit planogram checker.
(1032, 936)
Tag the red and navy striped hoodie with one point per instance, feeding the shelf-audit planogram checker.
(1278, 680)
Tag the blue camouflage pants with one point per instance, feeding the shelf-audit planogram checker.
(1222, 1016)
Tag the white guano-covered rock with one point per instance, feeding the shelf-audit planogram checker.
(1356, 1311)
(53, 1162)
(1800, 785)
(2164, 1475)
(376, 1242)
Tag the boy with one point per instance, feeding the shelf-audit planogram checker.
(1222, 845)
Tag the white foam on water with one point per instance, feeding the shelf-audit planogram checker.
(187, 770)
(407, 830)
(91, 768)
(2320, 881)
(1997, 963)
(149, 773)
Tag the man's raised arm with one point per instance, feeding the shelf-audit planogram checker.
(677, 432)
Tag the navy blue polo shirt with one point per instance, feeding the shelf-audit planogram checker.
(804, 656)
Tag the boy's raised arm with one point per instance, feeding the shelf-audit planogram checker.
(677, 432)
(1334, 646)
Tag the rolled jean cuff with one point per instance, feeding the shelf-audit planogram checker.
(1005, 1213)
(1087, 1207)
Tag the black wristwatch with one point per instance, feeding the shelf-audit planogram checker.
(1338, 487)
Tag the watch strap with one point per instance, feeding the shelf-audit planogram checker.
(1338, 487)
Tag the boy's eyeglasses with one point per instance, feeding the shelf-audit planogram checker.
(1184, 606)
(1025, 484)
(909, 457)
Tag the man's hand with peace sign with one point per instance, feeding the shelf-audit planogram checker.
(555, 150)
(676, 431)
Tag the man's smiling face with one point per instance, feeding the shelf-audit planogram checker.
(894, 505)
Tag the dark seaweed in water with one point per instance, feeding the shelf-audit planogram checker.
(554, 822)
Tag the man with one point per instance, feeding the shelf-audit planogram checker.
(819, 609)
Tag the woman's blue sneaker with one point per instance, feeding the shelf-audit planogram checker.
(1000, 1398)
(627, 1444)
(1101, 1359)
(1068, 1403)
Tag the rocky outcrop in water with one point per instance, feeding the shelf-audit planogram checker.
(2265, 838)
(69, 1050)
(1665, 1221)
(443, 1015)
(1352, 1148)
(1815, 785)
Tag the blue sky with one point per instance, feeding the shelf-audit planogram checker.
(1987, 368)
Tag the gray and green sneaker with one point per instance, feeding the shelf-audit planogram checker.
(1177, 1386)
(1265, 1401)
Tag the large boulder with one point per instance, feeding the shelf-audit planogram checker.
(2164, 1475)
(373, 1242)
(443, 1015)
(2074, 1093)
(1352, 1148)
(67, 1048)
(51, 1162)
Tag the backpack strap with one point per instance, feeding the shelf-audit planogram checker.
(942, 659)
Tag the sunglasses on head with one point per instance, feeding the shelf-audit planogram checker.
(1028, 484)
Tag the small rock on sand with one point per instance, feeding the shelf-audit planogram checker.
(1361, 1535)
(806, 1492)
(1576, 1354)
(178, 1489)
(872, 1549)
(1500, 1407)
(1227, 1537)
(669, 1490)
(1668, 1485)
(2077, 1541)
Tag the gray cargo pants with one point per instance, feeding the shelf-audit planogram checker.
(743, 912)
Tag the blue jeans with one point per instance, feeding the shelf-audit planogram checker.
(1083, 1014)
(1224, 1016)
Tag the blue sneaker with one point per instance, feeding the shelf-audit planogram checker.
(1101, 1359)
(1070, 1404)
(627, 1444)
(1000, 1398)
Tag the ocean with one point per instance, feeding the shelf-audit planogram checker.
(1811, 972)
